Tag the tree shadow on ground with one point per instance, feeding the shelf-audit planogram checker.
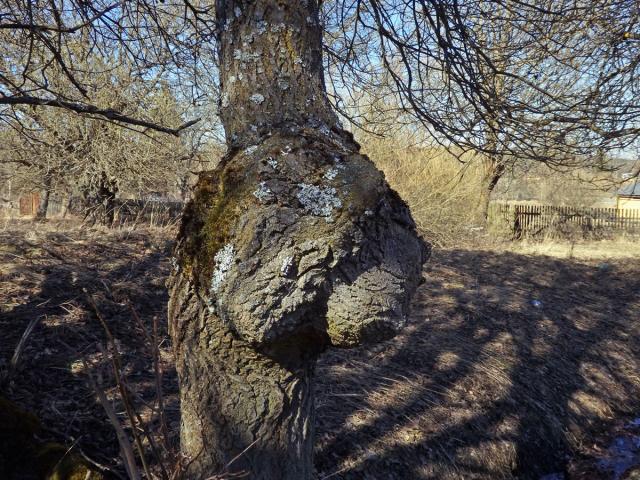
(483, 384)
(49, 278)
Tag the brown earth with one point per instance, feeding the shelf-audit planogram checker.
(481, 384)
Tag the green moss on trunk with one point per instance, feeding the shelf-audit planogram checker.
(208, 218)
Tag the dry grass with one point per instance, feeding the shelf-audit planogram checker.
(480, 385)
(43, 272)
(483, 384)
(441, 192)
(444, 193)
(621, 248)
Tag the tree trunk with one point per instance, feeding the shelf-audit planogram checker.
(66, 206)
(107, 191)
(270, 68)
(293, 243)
(43, 205)
(493, 169)
(100, 200)
(235, 399)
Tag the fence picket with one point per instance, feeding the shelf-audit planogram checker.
(526, 220)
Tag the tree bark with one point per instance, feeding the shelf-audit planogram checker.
(493, 169)
(107, 191)
(294, 243)
(242, 410)
(43, 205)
(270, 68)
(100, 200)
(66, 206)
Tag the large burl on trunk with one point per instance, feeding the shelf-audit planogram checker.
(293, 244)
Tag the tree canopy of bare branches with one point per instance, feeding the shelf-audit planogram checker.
(541, 79)
(43, 41)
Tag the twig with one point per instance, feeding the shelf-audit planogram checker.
(337, 472)
(158, 377)
(99, 466)
(65, 455)
(88, 109)
(154, 343)
(22, 342)
(51, 252)
(58, 29)
(152, 443)
(241, 453)
(117, 368)
(227, 475)
(125, 445)
(102, 468)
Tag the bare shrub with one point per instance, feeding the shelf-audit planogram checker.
(441, 191)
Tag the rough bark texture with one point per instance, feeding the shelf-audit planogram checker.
(100, 199)
(270, 67)
(43, 205)
(235, 399)
(288, 247)
(294, 243)
(493, 169)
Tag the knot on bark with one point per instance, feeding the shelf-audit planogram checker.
(301, 234)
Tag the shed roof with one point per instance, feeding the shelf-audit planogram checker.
(631, 190)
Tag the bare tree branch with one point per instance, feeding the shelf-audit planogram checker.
(93, 110)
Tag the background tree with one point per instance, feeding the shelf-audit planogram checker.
(60, 152)
(154, 40)
(511, 82)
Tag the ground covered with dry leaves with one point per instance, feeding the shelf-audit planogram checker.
(513, 365)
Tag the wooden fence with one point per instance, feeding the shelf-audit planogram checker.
(547, 220)
(125, 211)
(155, 213)
(29, 203)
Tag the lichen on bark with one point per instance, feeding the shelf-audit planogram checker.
(293, 244)
(293, 284)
